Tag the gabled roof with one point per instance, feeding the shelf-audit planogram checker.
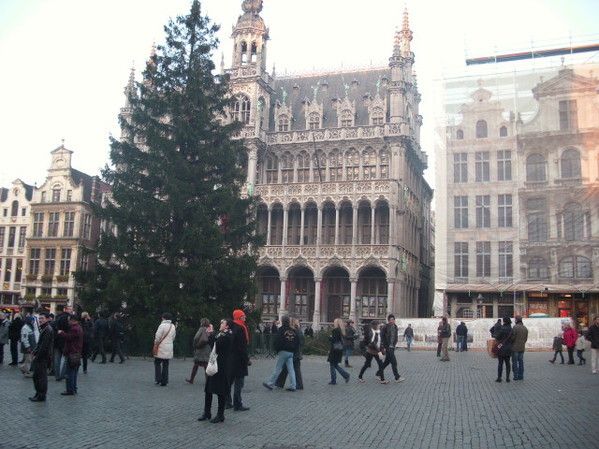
(566, 81)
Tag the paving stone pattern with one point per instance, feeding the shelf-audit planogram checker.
(439, 406)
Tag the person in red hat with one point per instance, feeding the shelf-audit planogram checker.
(239, 361)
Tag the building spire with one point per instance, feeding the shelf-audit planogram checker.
(403, 37)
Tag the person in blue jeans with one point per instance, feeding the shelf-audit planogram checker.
(335, 355)
(409, 334)
(286, 342)
(73, 344)
(520, 337)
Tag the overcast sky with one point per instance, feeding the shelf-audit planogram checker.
(65, 62)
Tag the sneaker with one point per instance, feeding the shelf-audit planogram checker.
(400, 379)
(266, 386)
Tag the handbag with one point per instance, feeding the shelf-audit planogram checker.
(74, 359)
(202, 341)
(157, 345)
(338, 346)
(212, 367)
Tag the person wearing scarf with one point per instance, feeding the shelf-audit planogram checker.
(373, 345)
(239, 361)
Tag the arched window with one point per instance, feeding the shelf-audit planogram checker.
(283, 122)
(253, 56)
(303, 167)
(352, 165)
(481, 129)
(347, 118)
(286, 168)
(538, 268)
(535, 168)
(459, 134)
(14, 210)
(503, 131)
(369, 164)
(314, 121)
(378, 116)
(336, 166)
(272, 169)
(245, 110)
(320, 167)
(384, 164)
(571, 164)
(241, 109)
(573, 222)
(244, 52)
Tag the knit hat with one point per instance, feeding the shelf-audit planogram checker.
(237, 314)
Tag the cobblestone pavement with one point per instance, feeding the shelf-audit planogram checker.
(440, 405)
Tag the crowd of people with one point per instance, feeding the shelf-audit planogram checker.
(59, 346)
(42, 344)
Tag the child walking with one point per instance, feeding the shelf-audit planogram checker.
(558, 342)
(580, 344)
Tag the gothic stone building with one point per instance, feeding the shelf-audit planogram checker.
(335, 159)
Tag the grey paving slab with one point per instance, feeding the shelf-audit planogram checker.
(440, 405)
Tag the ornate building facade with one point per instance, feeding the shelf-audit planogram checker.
(518, 226)
(336, 161)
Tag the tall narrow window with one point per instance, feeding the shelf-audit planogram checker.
(12, 234)
(352, 165)
(460, 167)
(504, 213)
(283, 123)
(56, 195)
(38, 224)
(568, 115)
(272, 169)
(460, 212)
(65, 261)
(483, 259)
(483, 211)
(2, 234)
(19, 273)
(481, 129)
(504, 165)
(382, 222)
(537, 219)
(573, 222)
(69, 224)
(336, 166)
(503, 131)
(22, 236)
(87, 226)
(347, 118)
(8, 270)
(461, 260)
(314, 121)
(49, 260)
(369, 165)
(245, 110)
(482, 166)
(286, 168)
(34, 260)
(14, 210)
(303, 167)
(378, 116)
(320, 167)
(384, 164)
(459, 135)
(506, 259)
(53, 221)
(571, 164)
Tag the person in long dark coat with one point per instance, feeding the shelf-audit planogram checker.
(336, 356)
(218, 384)
(240, 361)
(505, 337)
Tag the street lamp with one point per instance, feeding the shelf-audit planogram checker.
(479, 302)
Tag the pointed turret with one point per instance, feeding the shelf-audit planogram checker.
(250, 35)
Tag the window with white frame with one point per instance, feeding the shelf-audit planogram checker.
(483, 259)
(504, 212)
(504, 165)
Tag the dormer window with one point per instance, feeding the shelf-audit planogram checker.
(347, 118)
(56, 194)
(568, 115)
(314, 121)
(503, 131)
(283, 123)
(378, 116)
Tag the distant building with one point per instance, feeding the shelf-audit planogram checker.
(61, 228)
(14, 220)
(518, 203)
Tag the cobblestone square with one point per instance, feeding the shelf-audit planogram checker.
(439, 406)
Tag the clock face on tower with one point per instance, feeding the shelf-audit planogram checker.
(59, 162)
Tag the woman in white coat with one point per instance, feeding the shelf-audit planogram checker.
(164, 338)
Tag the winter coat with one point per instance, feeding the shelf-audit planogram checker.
(558, 342)
(43, 349)
(409, 332)
(100, 328)
(201, 354)
(27, 339)
(73, 340)
(570, 337)
(461, 330)
(14, 329)
(520, 337)
(505, 336)
(286, 339)
(582, 343)
(389, 335)
(446, 330)
(4, 332)
(350, 336)
(238, 366)
(167, 331)
(219, 383)
(335, 356)
(117, 330)
(593, 336)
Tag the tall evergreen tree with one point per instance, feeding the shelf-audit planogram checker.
(183, 231)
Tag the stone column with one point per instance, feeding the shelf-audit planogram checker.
(316, 316)
(283, 299)
(302, 230)
(352, 302)
(336, 225)
(373, 240)
(285, 221)
(268, 236)
(252, 162)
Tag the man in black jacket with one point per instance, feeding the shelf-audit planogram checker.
(41, 359)
(389, 341)
(100, 332)
(286, 342)
(462, 334)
